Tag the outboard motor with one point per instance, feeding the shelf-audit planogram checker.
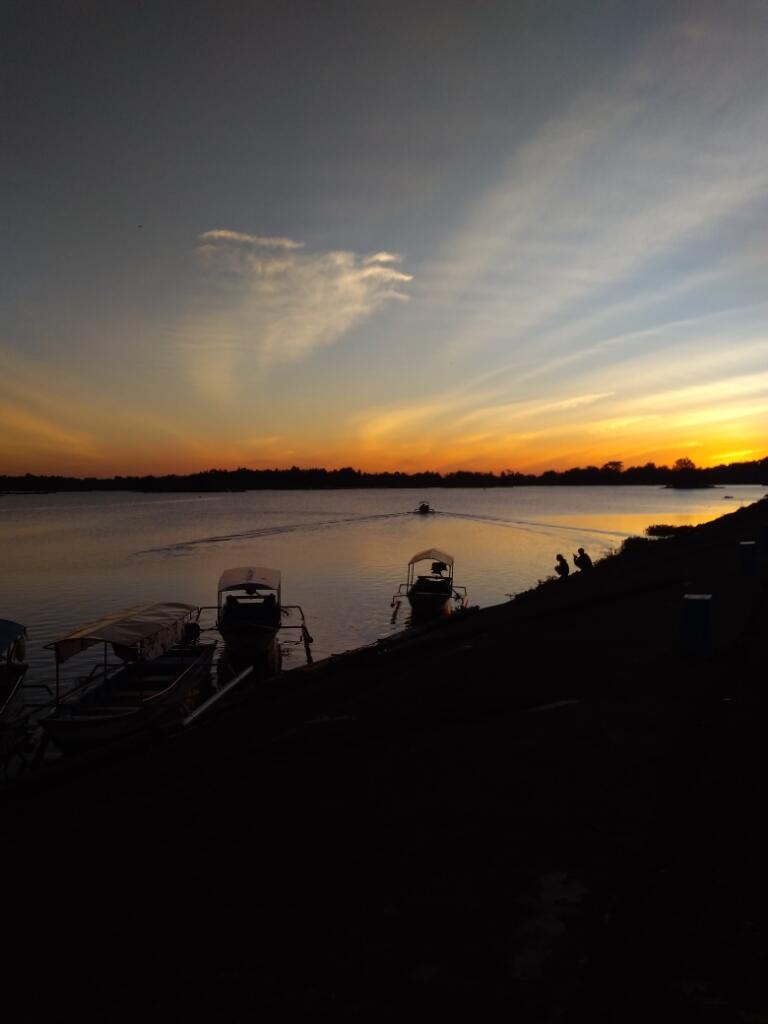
(191, 633)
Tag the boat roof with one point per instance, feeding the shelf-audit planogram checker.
(249, 577)
(126, 628)
(434, 554)
(10, 632)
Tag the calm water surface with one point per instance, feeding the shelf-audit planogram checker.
(70, 558)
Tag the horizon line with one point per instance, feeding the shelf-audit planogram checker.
(615, 466)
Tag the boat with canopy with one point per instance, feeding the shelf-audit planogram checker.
(250, 616)
(160, 671)
(431, 592)
(249, 612)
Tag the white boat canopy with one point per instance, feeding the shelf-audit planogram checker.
(249, 578)
(158, 624)
(434, 554)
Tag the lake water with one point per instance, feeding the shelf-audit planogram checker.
(70, 558)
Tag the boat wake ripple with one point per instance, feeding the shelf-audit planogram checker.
(265, 531)
(535, 525)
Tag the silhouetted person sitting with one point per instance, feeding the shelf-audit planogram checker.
(582, 560)
(561, 568)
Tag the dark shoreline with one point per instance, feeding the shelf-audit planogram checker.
(683, 474)
(545, 810)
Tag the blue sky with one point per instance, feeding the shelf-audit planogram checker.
(482, 235)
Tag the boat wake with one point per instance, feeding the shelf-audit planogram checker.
(181, 547)
(525, 525)
(533, 525)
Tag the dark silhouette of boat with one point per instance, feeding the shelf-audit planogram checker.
(254, 623)
(431, 593)
(161, 671)
(424, 509)
(249, 613)
(12, 665)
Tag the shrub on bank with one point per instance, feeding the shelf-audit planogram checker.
(664, 530)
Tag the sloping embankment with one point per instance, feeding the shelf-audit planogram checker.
(545, 810)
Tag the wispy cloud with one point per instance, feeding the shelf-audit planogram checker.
(60, 422)
(259, 241)
(279, 302)
(449, 417)
(614, 256)
(383, 257)
(601, 200)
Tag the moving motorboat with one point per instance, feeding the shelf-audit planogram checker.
(161, 672)
(424, 509)
(431, 592)
(12, 665)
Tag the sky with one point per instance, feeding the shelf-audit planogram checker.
(422, 235)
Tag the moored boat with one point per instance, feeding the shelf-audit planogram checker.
(12, 665)
(161, 671)
(249, 614)
(431, 593)
(257, 628)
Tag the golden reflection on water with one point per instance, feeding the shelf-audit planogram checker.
(68, 559)
(630, 523)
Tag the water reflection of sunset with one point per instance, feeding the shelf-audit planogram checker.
(341, 553)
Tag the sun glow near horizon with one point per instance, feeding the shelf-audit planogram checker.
(473, 263)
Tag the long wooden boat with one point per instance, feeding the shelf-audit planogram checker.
(431, 592)
(161, 673)
(12, 665)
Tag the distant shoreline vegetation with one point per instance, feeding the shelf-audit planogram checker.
(682, 474)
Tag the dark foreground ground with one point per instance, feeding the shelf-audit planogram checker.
(545, 811)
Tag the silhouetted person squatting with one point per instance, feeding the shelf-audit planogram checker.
(582, 560)
(561, 568)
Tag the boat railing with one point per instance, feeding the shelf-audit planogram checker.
(286, 630)
(205, 652)
(98, 674)
(303, 637)
(29, 742)
(457, 594)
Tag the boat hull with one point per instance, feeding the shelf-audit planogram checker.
(11, 678)
(249, 630)
(429, 603)
(107, 713)
(249, 644)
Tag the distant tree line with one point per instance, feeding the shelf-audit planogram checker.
(683, 473)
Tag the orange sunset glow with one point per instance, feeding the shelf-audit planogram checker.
(482, 264)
